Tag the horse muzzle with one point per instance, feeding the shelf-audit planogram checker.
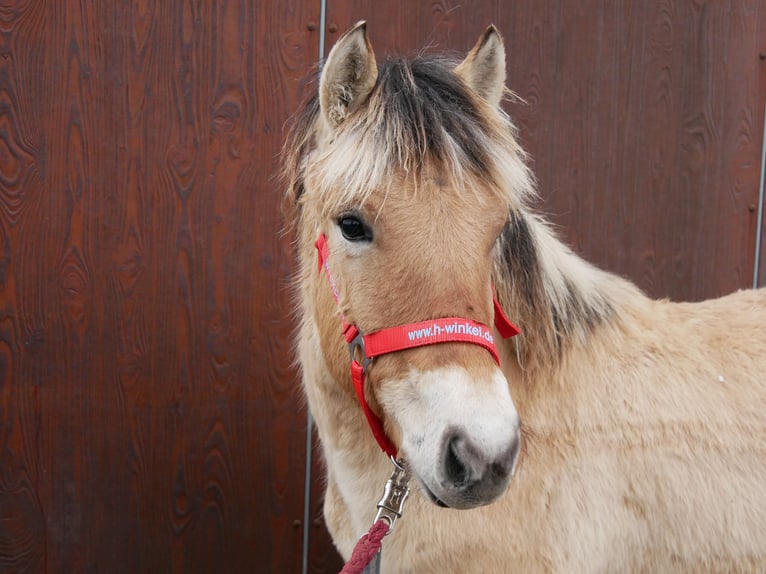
(461, 437)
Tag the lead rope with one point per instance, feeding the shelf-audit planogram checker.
(367, 550)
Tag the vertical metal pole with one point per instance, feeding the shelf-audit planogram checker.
(309, 418)
(307, 494)
(322, 26)
(759, 224)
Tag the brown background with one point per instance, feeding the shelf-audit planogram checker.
(150, 419)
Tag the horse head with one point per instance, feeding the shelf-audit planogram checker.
(409, 172)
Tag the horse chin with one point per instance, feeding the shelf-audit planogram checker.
(472, 492)
(432, 497)
(460, 501)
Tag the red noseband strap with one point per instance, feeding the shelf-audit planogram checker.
(363, 348)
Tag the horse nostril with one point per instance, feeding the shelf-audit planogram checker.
(499, 470)
(454, 465)
(503, 466)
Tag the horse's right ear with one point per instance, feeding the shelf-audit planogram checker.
(348, 76)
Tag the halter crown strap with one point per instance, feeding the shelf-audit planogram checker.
(364, 348)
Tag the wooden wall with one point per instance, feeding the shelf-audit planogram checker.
(150, 419)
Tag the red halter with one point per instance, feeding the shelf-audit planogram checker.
(366, 347)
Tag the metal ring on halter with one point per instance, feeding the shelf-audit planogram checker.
(398, 463)
(357, 343)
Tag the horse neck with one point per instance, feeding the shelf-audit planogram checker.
(556, 298)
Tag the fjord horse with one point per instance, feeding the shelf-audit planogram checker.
(614, 434)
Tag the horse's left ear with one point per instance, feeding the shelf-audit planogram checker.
(484, 67)
(348, 76)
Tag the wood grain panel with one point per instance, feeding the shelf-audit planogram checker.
(648, 141)
(150, 419)
(22, 199)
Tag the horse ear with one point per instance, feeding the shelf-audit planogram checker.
(348, 76)
(484, 67)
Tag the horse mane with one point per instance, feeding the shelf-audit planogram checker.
(419, 120)
(558, 297)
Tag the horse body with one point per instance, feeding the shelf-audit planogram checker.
(642, 421)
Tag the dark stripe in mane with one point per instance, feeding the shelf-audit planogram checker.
(426, 103)
(519, 255)
(552, 316)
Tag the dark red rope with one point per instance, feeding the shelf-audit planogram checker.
(366, 548)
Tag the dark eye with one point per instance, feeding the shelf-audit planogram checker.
(353, 229)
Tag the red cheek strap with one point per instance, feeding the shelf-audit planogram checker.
(502, 322)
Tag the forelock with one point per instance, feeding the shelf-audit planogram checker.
(419, 119)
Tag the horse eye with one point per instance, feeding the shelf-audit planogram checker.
(353, 229)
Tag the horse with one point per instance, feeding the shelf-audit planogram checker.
(615, 433)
